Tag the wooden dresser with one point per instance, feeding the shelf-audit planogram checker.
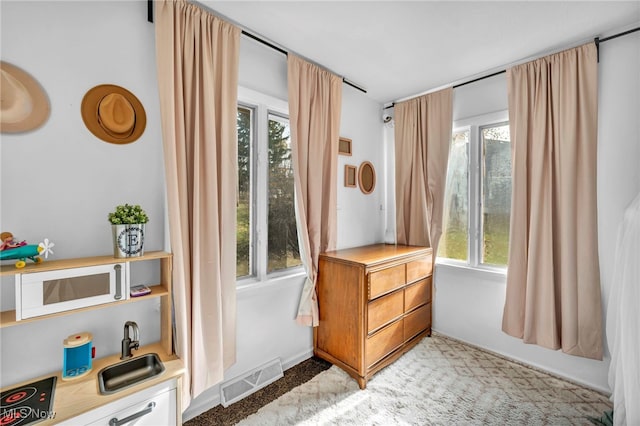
(375, 304)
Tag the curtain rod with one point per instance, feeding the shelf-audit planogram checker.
(596, 40)
(258, 39)
(284, 52)
(599, 40)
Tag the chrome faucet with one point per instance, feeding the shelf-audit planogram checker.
(127, 343)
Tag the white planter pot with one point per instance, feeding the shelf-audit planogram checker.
(128, 240)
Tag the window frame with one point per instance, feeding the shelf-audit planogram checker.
(252, 192)
(474, 214)
(262, 106)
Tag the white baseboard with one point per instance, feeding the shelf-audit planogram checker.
(213, 400)
(529, 363)
(296, 359)
(194, 410)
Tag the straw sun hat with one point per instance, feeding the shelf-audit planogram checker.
(113, 114)
(24, 105)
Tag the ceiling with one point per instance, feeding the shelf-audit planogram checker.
(397, 49)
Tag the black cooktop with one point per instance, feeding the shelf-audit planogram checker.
(28, 404)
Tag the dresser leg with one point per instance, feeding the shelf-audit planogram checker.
(362, 382)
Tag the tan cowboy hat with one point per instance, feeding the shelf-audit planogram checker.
(113, 114)
(24, 105)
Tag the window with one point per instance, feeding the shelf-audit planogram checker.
(267, 238)
(282, 243)
(455, 239)
(478, 193)
(243, 211)
(496, 193)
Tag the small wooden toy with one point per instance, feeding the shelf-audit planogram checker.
(11, 249)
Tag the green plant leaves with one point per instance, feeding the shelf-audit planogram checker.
(128, 214)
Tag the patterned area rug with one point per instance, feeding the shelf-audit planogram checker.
(439, 382)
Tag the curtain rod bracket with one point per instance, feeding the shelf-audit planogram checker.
(150, 11)
(597, 43)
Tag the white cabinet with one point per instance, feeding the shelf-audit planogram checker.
(79, 402)
(155, 406)
(155, 411)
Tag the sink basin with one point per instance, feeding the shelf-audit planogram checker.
(128, 373)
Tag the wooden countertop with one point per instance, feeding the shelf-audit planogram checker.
(75, 397)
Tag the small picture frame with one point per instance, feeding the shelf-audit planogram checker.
(367, 177)
(350, 176)
(344, 146)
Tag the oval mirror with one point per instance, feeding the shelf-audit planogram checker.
(367, 177)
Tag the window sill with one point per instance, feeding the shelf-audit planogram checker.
(452, 267)
(294, 275)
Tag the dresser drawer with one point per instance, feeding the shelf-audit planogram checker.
(417, 294)
(418, 269)
(384, 310)
(386, 280)
(383, 342)
(417, 321)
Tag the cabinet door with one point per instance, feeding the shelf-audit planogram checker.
(159, 410)
(163, 395)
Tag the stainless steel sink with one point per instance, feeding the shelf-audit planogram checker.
(128, 373)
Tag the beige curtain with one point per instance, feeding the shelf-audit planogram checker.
(315, 101)
(422, 139)
(553, 280)
(197, 59)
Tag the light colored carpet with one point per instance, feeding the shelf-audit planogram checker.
(440, 381)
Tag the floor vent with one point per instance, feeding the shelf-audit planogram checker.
(239, 387)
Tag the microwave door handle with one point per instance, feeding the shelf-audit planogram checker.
(118, 294)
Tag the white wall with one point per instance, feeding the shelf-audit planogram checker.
(468, 305)
(618, 141)
(60, 181)
(361, 217)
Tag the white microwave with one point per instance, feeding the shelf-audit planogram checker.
(50, 292)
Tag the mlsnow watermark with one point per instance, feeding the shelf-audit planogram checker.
(27, 412)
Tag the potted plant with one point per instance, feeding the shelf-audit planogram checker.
(127, 223)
